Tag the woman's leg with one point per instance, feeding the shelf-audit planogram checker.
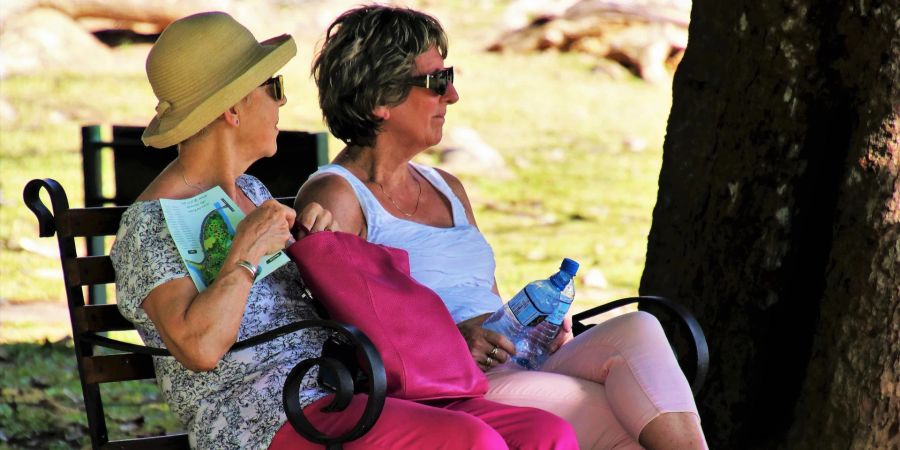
(674, 431)
(521, 428)
(402, 425)
(631, 356)
(582, 403)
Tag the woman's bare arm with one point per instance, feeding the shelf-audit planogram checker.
(334, 194)
(198, 328)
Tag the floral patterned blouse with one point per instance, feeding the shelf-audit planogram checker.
(238, 404)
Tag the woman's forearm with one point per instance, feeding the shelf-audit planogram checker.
(199, 328)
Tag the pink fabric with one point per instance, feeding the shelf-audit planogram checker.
(369, 286)
(609, 382)
(456, 424)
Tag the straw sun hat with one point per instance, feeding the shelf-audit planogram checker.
(200, 66)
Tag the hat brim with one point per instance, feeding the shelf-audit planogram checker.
(180, 124)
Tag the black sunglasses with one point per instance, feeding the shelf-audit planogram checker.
(437, 81)
(276, 87)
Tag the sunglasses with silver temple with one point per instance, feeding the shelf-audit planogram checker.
(437, 81)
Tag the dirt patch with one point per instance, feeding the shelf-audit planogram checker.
(30, 321)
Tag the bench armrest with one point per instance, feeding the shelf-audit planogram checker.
(347, 381)
(694, 361)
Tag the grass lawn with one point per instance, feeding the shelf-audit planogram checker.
(576, 190)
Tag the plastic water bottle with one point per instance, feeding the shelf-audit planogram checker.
(533, 345)
(532, 318)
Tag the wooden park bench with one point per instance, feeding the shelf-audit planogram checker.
(349, 363)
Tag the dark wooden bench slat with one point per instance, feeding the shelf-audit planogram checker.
(124, 367)
(81, 222)
(89, 270)
(97, 318)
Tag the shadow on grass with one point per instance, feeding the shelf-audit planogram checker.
(41, 405)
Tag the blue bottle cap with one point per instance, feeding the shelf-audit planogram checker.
(569, 266)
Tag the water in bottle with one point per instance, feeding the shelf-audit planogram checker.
(532, 318)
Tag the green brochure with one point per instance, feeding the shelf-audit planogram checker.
(203, 227)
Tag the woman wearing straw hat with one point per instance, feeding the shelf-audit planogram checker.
(219, 101)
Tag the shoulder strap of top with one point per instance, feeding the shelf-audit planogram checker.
(375, 214)
(438, 181)
(372, 209)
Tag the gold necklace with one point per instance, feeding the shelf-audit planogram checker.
(186, 182)
(418, 196)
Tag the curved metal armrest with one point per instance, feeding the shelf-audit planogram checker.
(375, 387)
(372, 366)
(695, 363)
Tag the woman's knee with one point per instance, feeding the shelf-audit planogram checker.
(474, 434)
(452, 430)
(548, 432)
(645, 321)
(563, 435)
(641, 325)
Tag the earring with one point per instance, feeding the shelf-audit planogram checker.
(237, 121)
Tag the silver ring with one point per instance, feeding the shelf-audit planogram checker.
(493, 352)
(489, 361)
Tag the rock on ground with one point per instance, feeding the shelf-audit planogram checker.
(647, 36)
(463, 151)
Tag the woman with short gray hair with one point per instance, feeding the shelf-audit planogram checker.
(384, 91)
(351, 86)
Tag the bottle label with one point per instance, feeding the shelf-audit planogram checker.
(556, 319)
(561, 310)
(525, 310)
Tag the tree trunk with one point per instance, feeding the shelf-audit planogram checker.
(778, 219)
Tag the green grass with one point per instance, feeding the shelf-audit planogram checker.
(574, 191)
(41, 404)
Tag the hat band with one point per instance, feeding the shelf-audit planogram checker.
(162, 107)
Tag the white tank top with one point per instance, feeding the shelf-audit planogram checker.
(457, 262)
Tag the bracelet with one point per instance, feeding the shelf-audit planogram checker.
(254, 270)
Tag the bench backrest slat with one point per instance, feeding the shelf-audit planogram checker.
(99, 318)
(81, 222)
(90, 270)
(121, 367)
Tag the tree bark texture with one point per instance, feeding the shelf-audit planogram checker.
(778, 219)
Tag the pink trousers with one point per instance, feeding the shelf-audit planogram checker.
(609, 382)
(458, 424)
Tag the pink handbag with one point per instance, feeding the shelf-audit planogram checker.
(369, 286)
